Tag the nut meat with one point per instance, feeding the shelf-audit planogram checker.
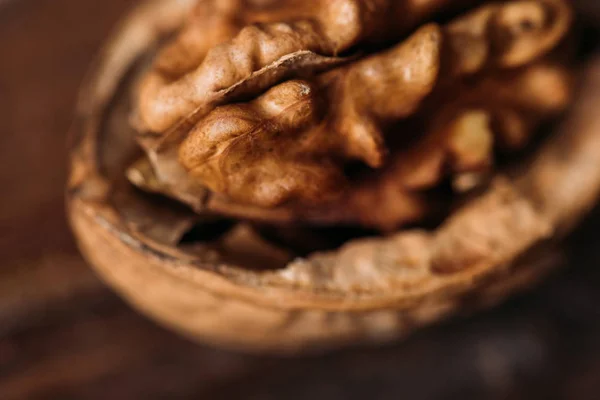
(292, 129)
(455, 91)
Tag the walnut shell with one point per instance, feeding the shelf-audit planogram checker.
(240, 291)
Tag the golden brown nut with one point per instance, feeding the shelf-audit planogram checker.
(210, 55)
(283, 145)
(233, 287)
(282, 156)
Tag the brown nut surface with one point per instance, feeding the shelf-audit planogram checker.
(282, 145)
(282, 156)
(225, 42)
(238, 290)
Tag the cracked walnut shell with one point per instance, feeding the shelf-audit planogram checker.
(213, 275)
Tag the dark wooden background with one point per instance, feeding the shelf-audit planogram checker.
(63, 335)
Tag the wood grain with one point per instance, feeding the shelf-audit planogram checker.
(63, 335)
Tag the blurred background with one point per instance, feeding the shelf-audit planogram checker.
(64, 335)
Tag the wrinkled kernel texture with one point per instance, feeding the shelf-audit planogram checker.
(456, 92)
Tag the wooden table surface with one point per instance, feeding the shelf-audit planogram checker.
(64, 335)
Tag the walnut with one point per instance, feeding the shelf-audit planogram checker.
(291, 129)
(284, 144)
(227, 42)
(283, 154)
